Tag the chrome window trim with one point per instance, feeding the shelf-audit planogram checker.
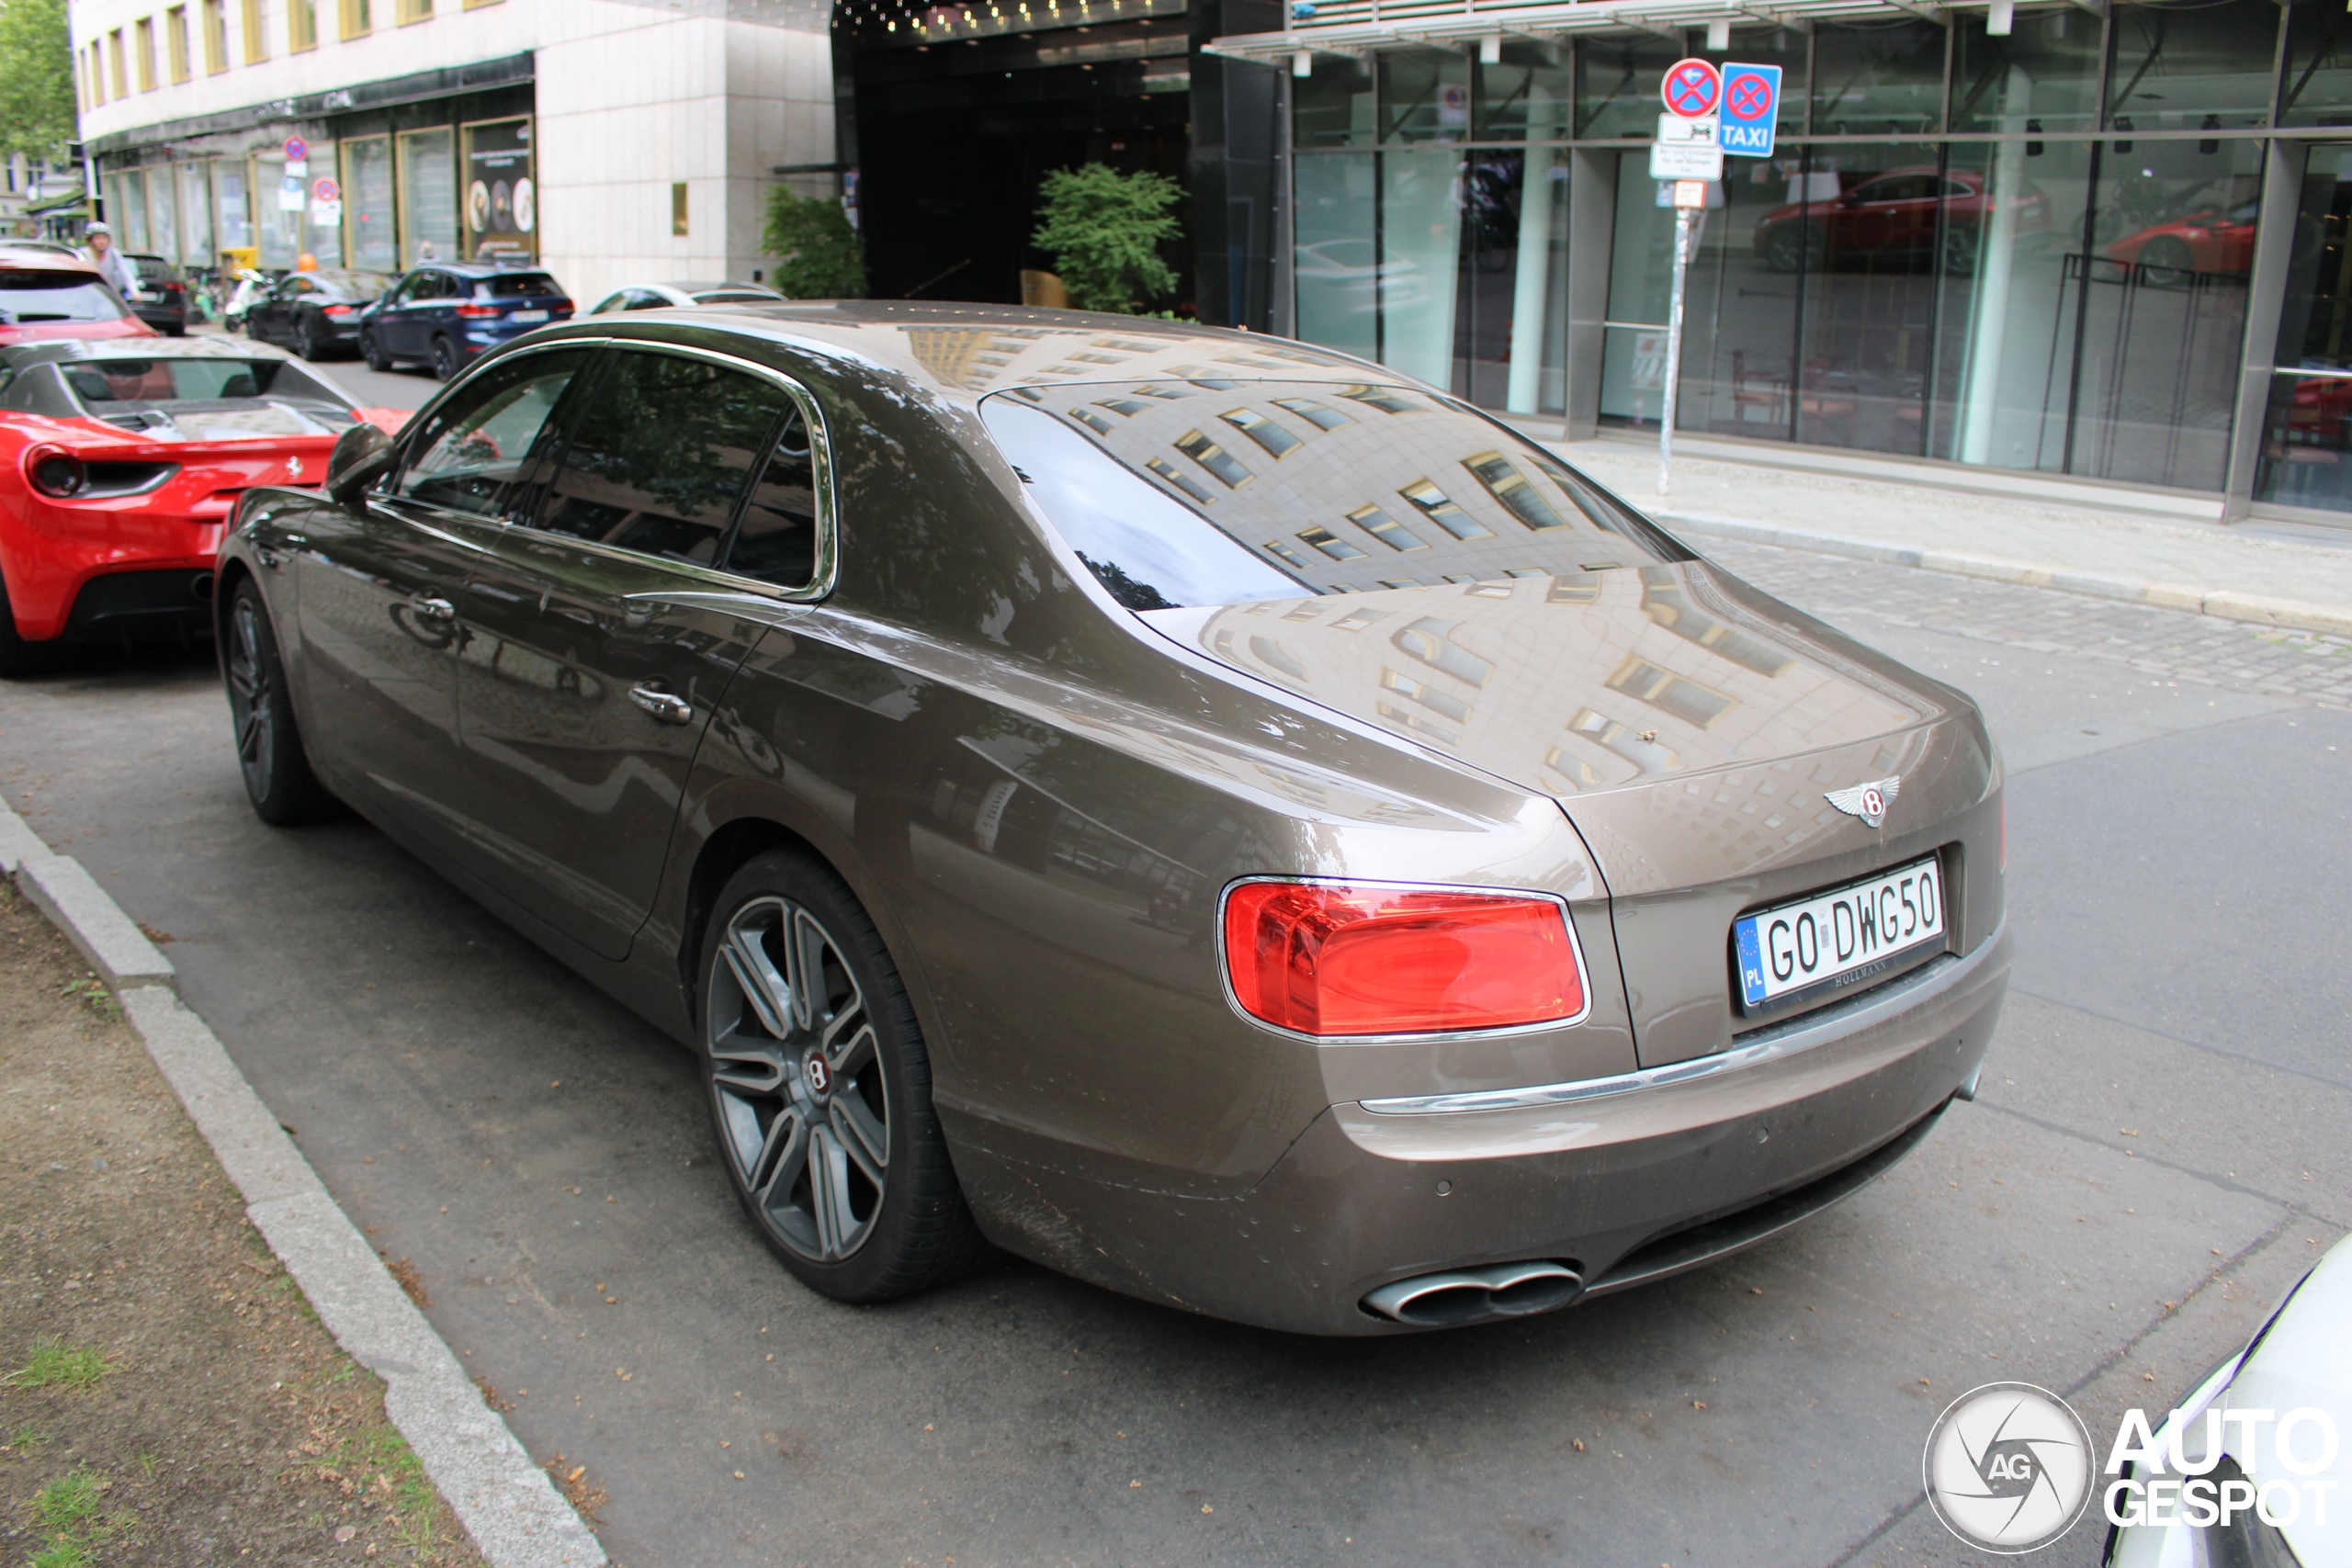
(1426, 1037)
(820, 460)
(1777, 1043)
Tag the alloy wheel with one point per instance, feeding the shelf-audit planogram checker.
(250, 711)
(802, 1106)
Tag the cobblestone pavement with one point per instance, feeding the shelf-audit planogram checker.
(2304, 666)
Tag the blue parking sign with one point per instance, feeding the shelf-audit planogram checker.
(1749, 109)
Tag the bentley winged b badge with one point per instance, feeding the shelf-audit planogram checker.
(1867, 801)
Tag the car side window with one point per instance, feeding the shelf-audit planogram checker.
(777, 540)
(645, 300)
(663, 455)
(611, 303)
(468, 457)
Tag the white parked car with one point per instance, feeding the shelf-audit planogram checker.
(662, 296)
(2275, 1496)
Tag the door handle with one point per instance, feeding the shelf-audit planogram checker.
(439, 610)
(667, 707)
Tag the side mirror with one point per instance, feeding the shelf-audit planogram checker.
(360, 456)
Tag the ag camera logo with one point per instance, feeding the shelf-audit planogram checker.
(2008, 1468)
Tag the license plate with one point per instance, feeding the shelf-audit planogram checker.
(1839, 936)
(528, 316)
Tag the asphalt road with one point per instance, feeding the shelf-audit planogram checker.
(2158, 1152)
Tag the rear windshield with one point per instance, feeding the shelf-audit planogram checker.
(100, 383)
(152, 267)
(1216, 492)
(27, 297)
(516, 286)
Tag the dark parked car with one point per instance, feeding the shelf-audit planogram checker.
(1214, 816)
(315, 314)
(162, 300)
(450, 314)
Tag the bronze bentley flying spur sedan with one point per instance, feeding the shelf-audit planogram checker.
(1207, 814)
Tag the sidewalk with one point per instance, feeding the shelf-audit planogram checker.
(2246, 572)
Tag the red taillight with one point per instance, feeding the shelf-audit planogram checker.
(55, 474)
(561, 307)
(338, 311)
(1334, 958)
(478, 312)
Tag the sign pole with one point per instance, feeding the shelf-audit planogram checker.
(1673, 347)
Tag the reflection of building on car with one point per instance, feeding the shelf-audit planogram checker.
(2211, 241)
(1918, 215)
(120, 462)
(48, 296)
(315, 314)
(450, 314)
(1347, 269)
(662, 296)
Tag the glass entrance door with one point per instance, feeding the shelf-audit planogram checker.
(2306, 458)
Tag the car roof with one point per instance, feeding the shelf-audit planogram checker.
(52, 350)
(32, 260)
(477, 269)
(961, 352)
(722, 283)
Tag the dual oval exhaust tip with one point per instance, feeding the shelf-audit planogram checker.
(1461, 1296)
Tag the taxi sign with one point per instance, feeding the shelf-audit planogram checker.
(1751, 109)
(1690, 88)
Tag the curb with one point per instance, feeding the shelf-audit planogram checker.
(507, 1504)
(2255, 609)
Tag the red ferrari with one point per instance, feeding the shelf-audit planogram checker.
(46, 296)
(120, 460)
(2212, 240)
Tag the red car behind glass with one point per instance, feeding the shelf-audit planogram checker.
(120, 460)
(1904, 214)
(2212, 240)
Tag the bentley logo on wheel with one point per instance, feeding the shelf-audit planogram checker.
(1867, 801)
(821, 1077)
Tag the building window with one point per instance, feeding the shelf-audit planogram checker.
(356, 20)
(216, 37)
(414, 11)
(678, 209)
(146, 61)
(301, 25)
(176, 41)
(257, 40)
(121, 71)
(477, 5)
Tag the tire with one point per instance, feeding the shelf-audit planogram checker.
(1960, 251)
(377, 360)
(177, 329)
(844, 1172)
(1791, 246)
(306, 341)
(445, 359)
(277, 775)
(2169, 261)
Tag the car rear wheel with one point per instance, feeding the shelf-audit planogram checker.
(2169, 261)
(821, 1089)
(377, 358)
(306, 340)
(277, 775)
(445, 359)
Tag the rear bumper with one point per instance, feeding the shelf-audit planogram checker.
(1625, 1181)
(137, 607)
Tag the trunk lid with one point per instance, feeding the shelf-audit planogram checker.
(1688, 726)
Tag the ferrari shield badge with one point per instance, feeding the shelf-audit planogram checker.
(1867, 801)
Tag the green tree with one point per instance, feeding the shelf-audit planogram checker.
(36, 78)
(817, 251)
(1105, 230)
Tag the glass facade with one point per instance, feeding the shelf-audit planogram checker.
(2031, 250)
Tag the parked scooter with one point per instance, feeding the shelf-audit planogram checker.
(251, 287)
